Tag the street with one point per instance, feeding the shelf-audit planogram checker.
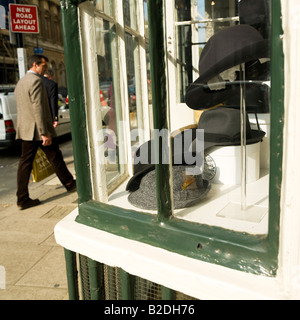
(9, 160)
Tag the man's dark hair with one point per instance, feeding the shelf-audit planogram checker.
(36, 58)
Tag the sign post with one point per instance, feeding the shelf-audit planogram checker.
(22, 62)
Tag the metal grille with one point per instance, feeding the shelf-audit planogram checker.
(112, 285)
(84, 275)
(147, 290)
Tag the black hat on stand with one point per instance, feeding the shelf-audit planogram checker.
(227, 49)
(222, 127)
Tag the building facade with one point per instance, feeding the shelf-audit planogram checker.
(48, 42)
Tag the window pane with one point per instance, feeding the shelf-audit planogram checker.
(184, 51)
(188, 41)
(132, 64)
(149, 89)
(232, 86)
(106, 6)
(108, 84)
(130, 13)
(230, 96)
(146, 19)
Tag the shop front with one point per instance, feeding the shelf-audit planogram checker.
(179, 113)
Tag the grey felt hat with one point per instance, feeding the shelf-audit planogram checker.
(178, 157)
(188, 190)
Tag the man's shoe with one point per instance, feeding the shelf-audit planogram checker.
(29, 203)
(72, 187)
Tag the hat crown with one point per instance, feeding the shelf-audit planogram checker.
(188, 189)
(223, 125)
(231, 47)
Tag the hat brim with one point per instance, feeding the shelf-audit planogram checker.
(209, 140)
(200, 97)
(143, 200)
(177, 159)
(257, 99)
(134, 182)
(141, 170)
(256, 136)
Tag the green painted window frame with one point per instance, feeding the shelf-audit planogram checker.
(239, 251)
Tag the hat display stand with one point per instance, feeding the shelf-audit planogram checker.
(241, 210)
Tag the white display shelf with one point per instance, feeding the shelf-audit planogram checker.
(211, 210)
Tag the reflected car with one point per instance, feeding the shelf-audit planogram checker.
(64, 121)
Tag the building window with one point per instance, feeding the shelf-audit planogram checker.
(47, 26)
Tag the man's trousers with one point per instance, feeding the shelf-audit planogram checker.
(54, 155)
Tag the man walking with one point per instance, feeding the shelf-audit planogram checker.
(52, 91)
(35, 129)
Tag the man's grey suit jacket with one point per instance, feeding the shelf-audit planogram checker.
(34, 117)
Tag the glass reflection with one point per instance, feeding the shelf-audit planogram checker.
(106, 6)
(105, 35)
(232, 86)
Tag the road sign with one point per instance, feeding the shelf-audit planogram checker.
(38, 50)
(23, 18)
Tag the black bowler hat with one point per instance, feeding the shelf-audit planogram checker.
(226, 49)
(222, 127)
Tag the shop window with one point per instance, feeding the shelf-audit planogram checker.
(237, 172)
(234, 179)
(120, 123)
(209, 181)
(106, 113)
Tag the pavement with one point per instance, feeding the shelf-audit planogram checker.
(32, 265)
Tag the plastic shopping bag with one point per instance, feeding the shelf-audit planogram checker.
(41, 167)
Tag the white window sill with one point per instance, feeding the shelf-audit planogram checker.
(189, 276)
